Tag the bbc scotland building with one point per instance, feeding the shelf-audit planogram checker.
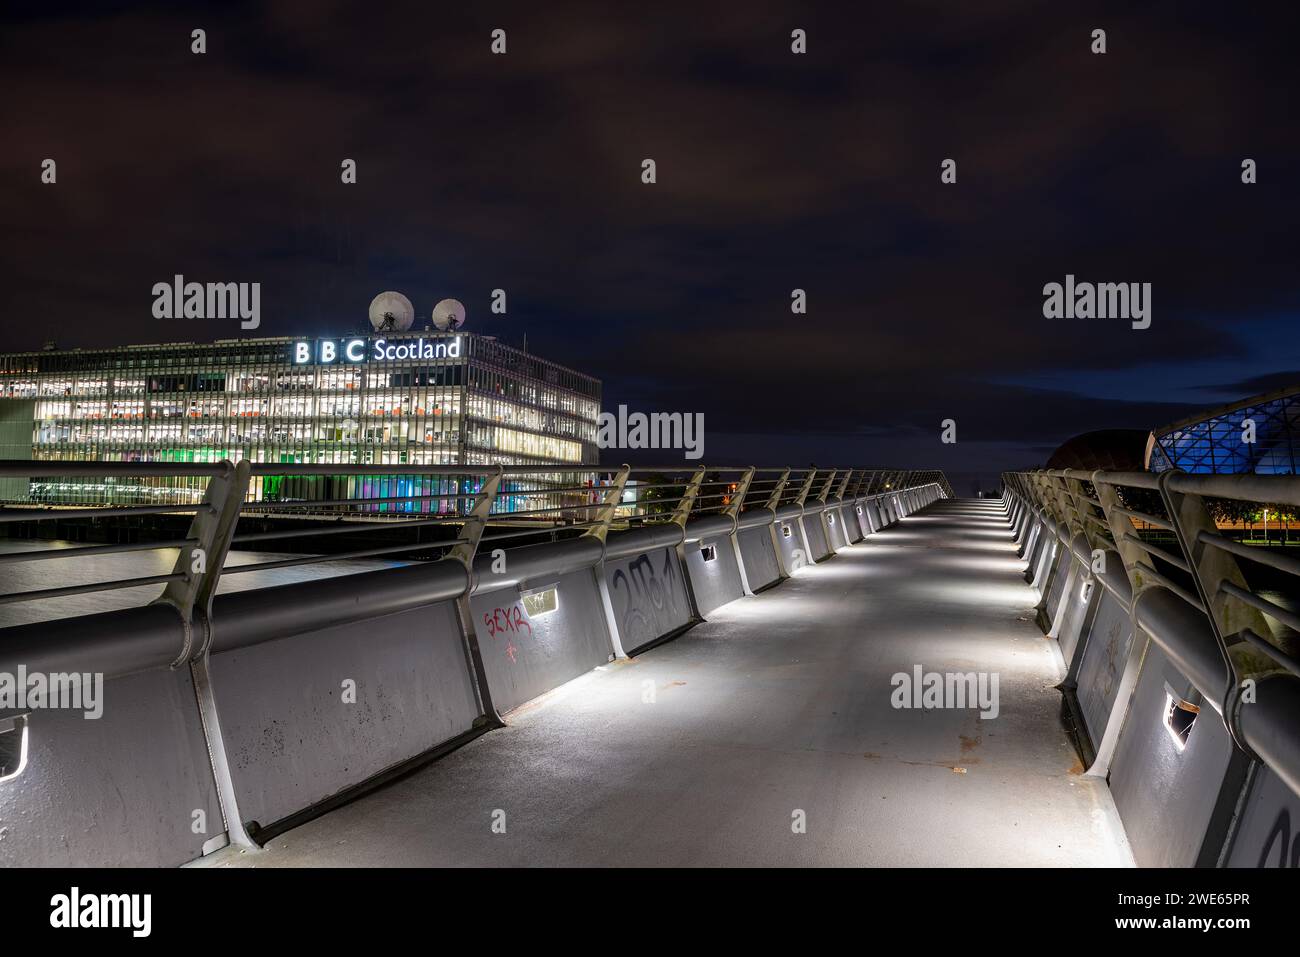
(437, 398)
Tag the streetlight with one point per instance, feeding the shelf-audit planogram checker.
(1265, 526)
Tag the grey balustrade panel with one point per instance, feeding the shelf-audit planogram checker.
(715, 581)
(759, 557)
(1268, 832)
(817, 544)
(648, 596)
(132, 788)
(1166, 795)
(1058, 576)
(528, 653)
(292, 738)
(835, 534)
(861, 513)
(848, 518)
(793, 553)
(1078, 597)
(1102, 667)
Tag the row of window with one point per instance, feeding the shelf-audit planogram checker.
(275, 355)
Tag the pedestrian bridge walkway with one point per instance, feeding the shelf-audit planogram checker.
(648, 668)
(766, 736)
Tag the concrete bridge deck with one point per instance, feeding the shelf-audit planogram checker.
(780, 702)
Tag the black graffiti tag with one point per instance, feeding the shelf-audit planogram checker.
(644, 594)
(1280, 832)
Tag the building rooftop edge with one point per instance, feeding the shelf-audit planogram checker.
(1215, 411)
(409, 334)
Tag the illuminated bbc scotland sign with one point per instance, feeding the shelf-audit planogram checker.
(328, 351)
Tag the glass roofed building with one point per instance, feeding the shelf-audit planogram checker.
(1221, 440)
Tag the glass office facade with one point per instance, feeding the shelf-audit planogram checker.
(434, 399)
(1260, 436)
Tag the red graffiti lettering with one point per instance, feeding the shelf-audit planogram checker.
(503, 620)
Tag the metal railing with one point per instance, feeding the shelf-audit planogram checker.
(440, 522)
(423, 512)
(1189, 587)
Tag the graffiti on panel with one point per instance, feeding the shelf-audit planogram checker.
(1279, 836)
(509, 623)
(1116, 648)
(646, 597)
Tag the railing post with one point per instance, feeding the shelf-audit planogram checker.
(608, 508)
(681, 516)
(1229, 618)
(774, 499)
(839, 509)
(683, 510)
(600, 531)
(472, 533)
(803, 497)
(1067, 525)
(1131, 556)
(202, 561)
(821, 510)
(202, 557)
(733, 509)
(773, 503)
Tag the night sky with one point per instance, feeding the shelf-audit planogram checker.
(775, 171)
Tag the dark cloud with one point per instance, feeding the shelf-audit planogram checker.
(775, 172)
(1257, 385)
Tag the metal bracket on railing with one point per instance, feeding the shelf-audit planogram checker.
(476, 521)
(1094, 528)
(844, 485)
(738, 497)
(472, 533)
(683, 510)
(733, 511)
(1059, 506)
(599, 532)
(201, 561)
(613, 497)
(826, 486)
(774, 499)
(1120, 527)
(807, 487)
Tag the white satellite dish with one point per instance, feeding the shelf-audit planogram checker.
(391, 312)
(448, 314)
